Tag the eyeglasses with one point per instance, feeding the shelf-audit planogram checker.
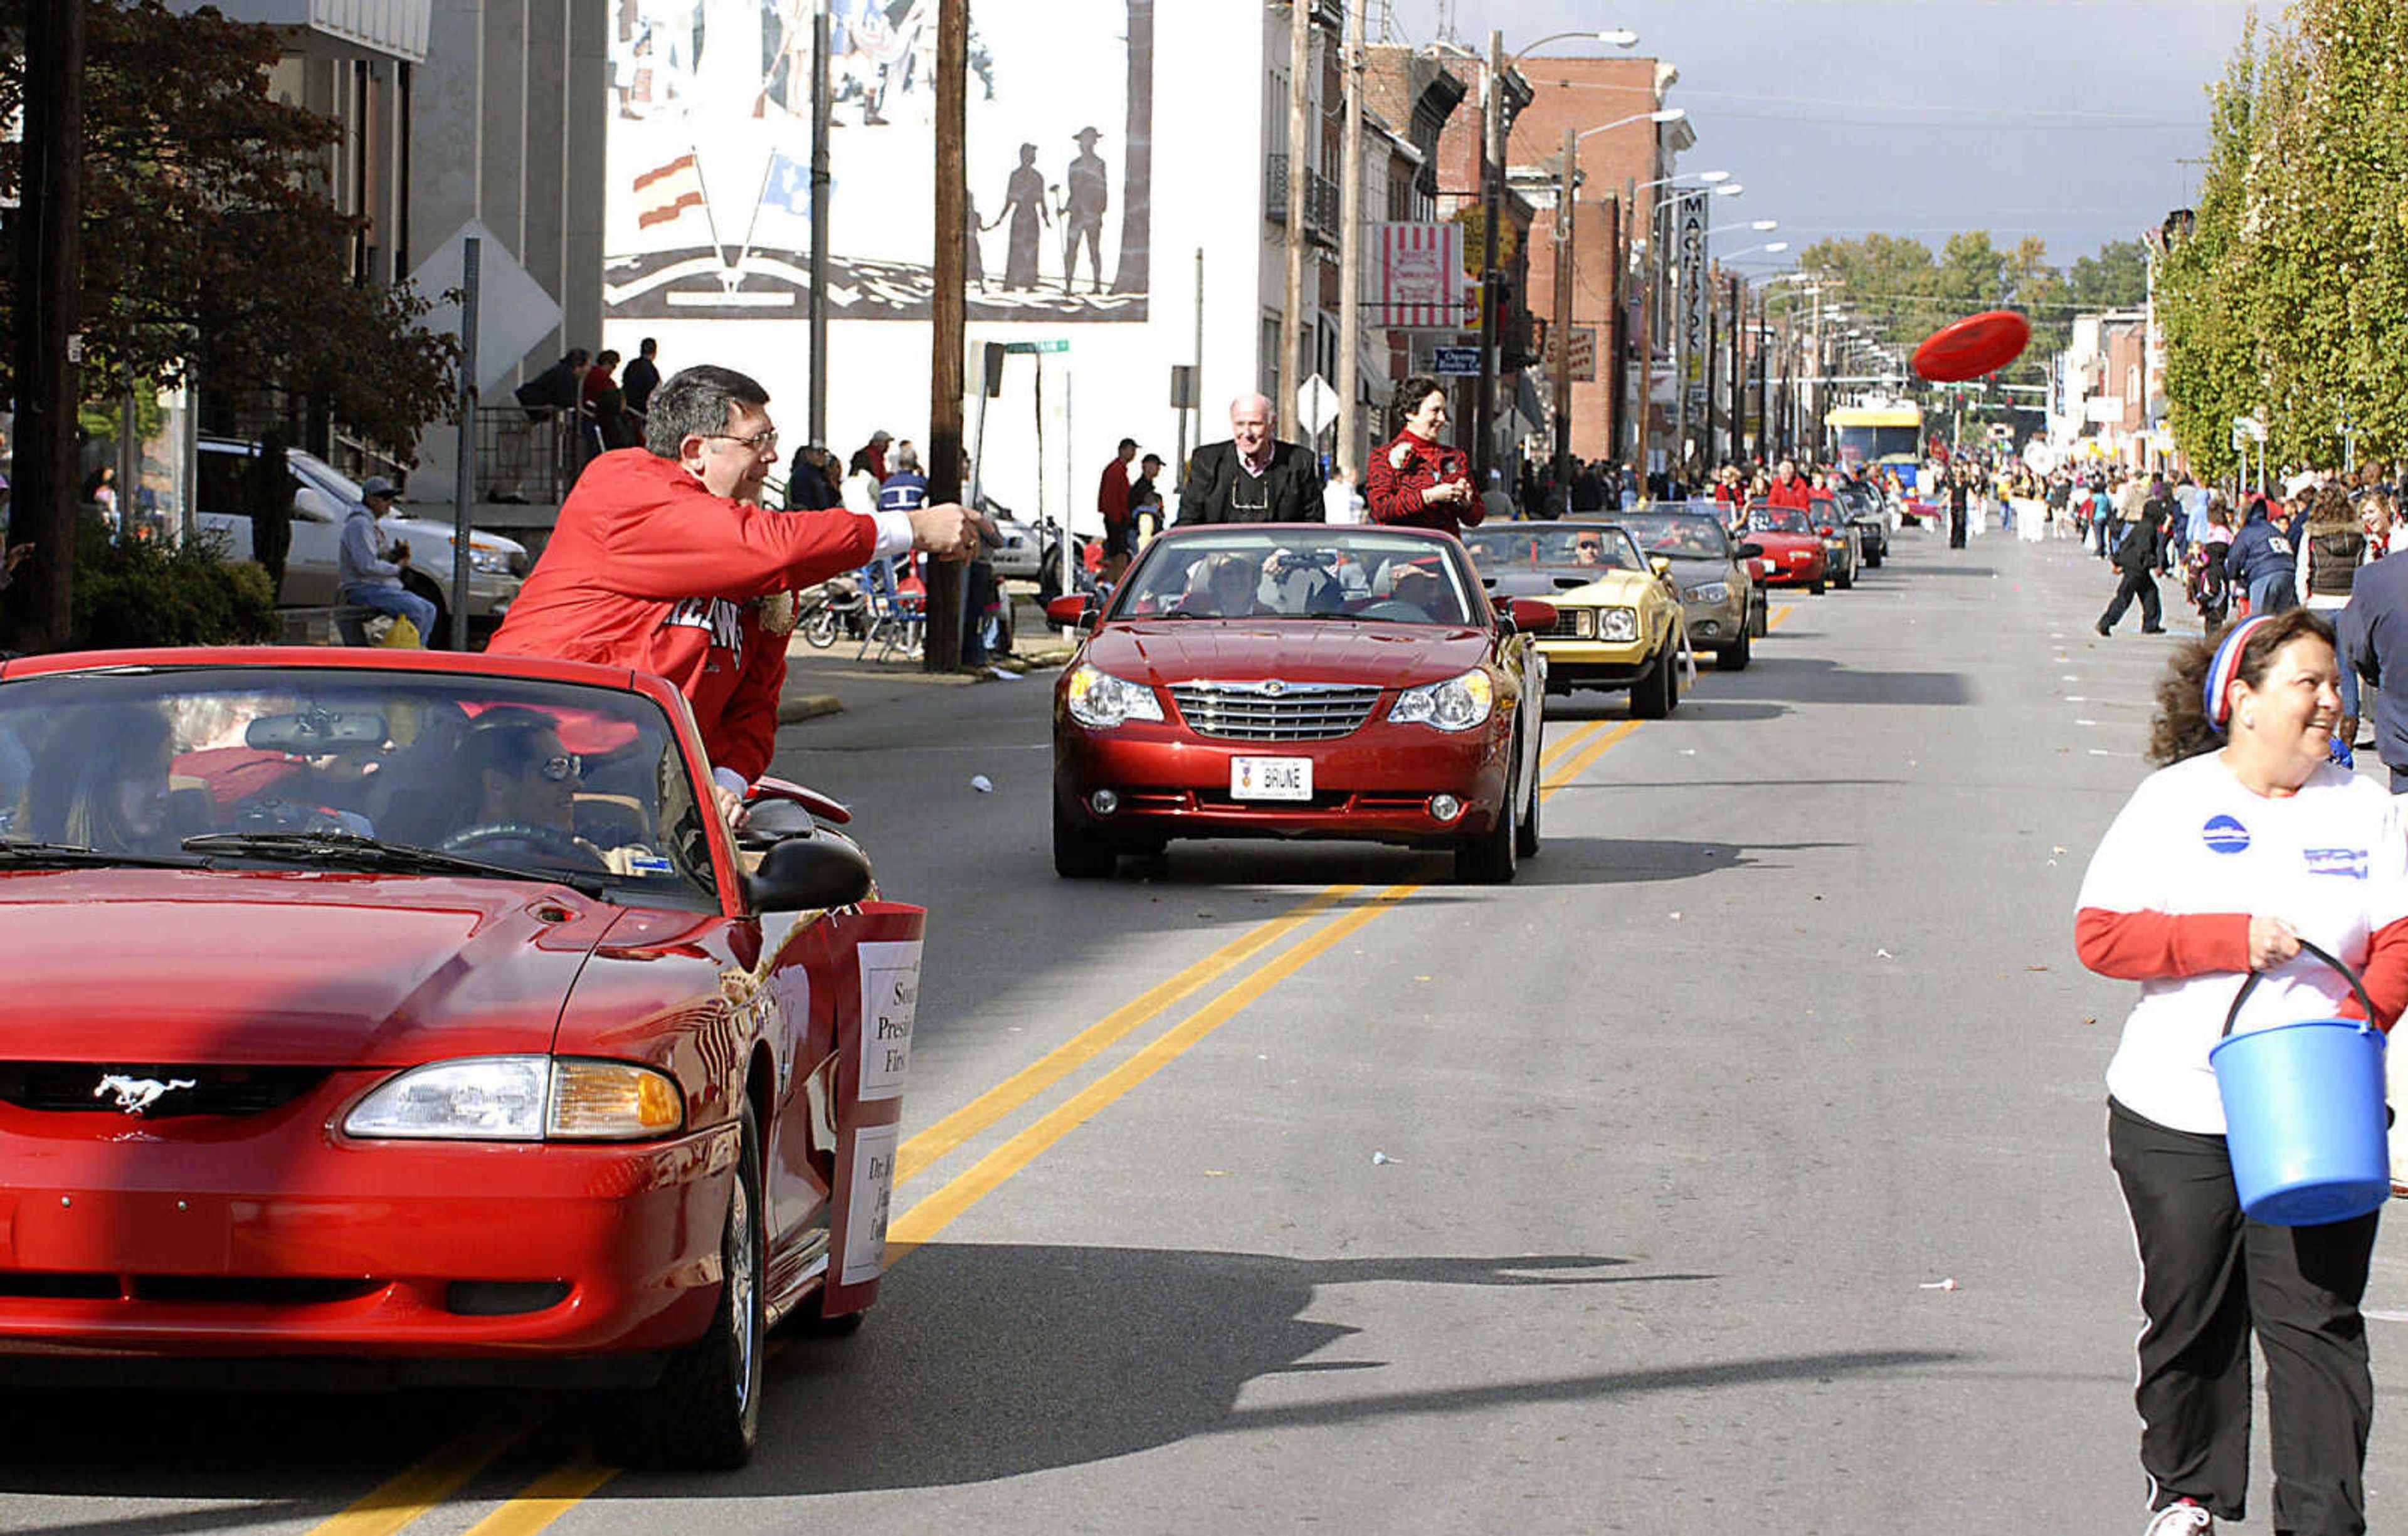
(561, 769)
(764, 441)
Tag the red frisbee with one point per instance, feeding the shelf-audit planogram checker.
(1977, 345)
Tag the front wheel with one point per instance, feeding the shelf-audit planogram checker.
(819, 630)
(1654, 696)
(1526, 836)
(1846, 579)
(1488, 859)
(1736, 656)
(704, 1411)
(1079, 853)
(1816, 588)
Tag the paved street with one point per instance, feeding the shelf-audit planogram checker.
(1741, 1166)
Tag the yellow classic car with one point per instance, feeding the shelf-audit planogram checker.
(1618, 621)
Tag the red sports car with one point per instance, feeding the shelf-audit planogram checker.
(414, 1015)
(1300, 680)
(1794, 553)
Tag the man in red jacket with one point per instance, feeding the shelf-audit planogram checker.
(1790, 489)
(663, 556)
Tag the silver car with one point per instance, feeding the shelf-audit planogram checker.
(496, 565)
(1725, 608)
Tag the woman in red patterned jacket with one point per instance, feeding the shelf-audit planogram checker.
(1415, 480)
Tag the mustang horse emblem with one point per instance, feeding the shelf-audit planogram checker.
(137, 1094)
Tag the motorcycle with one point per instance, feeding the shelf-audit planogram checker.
(838, 605)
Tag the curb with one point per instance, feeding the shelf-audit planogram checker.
(807, 706)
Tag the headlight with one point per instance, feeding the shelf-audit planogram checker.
(1711, 592)
(1456, 704)
(488, 560)
(1618, 624)
(1099, 701)
(521, 1098)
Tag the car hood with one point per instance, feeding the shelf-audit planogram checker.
(1317, 651)
(1573, 585)
(277, 968)
(425, 528)
(1772, 541)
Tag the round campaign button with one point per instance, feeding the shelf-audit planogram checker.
(2224, 835)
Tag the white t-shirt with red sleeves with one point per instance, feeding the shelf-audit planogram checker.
(2330, 860)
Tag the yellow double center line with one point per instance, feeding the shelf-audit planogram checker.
(421, 1488)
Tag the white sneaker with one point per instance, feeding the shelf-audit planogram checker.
(2182, 1518)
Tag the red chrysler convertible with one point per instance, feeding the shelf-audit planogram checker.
(413, 1016)
(1300, 680)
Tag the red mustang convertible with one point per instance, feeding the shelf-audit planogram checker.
(413, 1016)
(1300, 680)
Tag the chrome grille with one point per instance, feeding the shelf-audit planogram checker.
(1273, 711)
(1570, 624)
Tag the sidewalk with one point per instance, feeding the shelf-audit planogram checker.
(837, 679)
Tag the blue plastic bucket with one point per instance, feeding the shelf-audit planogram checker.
(2305, 1126)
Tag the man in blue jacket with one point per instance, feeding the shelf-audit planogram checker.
(2374, 642)
(2261, 563)
(369, 580)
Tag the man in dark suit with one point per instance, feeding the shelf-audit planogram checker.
(1251, 478)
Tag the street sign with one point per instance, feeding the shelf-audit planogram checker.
(1316, 404)
(1584, 353)
(1455, 362)
(1058, 346)
(2249, 427)
(1182, 386)
(513, 311)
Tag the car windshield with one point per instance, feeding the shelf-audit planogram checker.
(1320, 574)
(363, 770)
(1531, 545)
(1680, 537)
(1779, 519)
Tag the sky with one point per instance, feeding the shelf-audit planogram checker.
(2066, 118)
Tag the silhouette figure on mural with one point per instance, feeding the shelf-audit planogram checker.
(973, 260)
(1083, 211)
(1023, 203)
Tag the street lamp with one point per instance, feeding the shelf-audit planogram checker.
(1775, 246)
(1760, 226)
(1710, 179)
(1566, 227)
(1492, 185)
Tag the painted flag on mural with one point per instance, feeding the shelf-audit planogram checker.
(665, 193)
(787, 188)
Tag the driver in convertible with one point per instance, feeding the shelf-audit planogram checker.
(522, 784)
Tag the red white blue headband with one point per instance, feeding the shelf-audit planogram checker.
(2227, 666)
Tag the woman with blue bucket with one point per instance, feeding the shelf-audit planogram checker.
(2252, 1170)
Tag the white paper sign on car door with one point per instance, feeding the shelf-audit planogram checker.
(873, 1190)
(890, 997)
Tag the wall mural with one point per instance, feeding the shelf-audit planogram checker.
(709, 160)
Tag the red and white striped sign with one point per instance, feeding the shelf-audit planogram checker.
(663, 194)
(1421, 277)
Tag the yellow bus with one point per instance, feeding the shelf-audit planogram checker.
(1873, 437)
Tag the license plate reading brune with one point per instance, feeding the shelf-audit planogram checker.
(1270, 778)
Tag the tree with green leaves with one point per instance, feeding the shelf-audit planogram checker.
(208, 238)
(2287, 299)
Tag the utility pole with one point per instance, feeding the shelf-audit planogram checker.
(48, 347)
(1300, 124)
(947, 310)
(1763, 381)
(1492, 180)
(1710, 379)
(1350, 255)
(820, 183)
(1739, 372)
(1615, 335)
(1567, 219)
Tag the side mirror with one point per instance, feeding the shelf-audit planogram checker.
(1530, 613)
(1661, 566)
(1070, 610)
(814, 871)
(767, 790)
(1750, 550)
(1827, 531)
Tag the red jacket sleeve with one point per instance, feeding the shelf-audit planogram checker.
(1390, 497)
(1112, 496)
(2161, 946)
(2385, 974)
(659, 535)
